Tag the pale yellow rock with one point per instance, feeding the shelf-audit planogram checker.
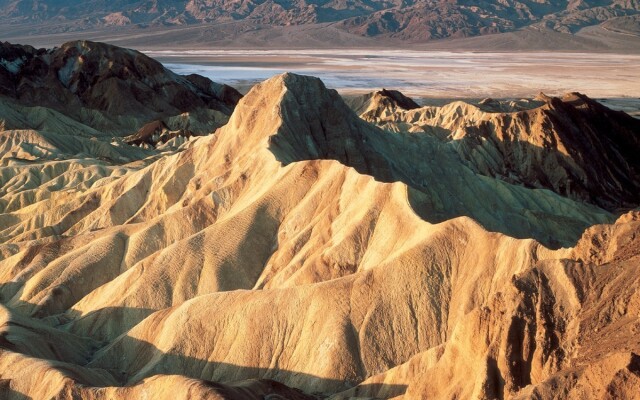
(303, 245)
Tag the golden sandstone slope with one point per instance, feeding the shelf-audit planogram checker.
(302, 252)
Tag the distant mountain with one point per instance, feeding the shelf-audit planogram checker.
(408, 20)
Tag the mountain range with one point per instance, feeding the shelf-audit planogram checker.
(411, 22)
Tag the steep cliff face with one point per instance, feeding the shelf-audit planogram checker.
(302, 247)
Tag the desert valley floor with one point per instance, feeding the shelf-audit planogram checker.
(438, 74)
(429, 77)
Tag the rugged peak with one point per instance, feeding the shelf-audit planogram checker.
(318, 124)
(583, 102)
(297, 119)
(307, 121)
(382, 101)
(577, 101)
(101, 60)
(543, 97)
(86, 46)
(82, 65)
(572, 144)
(572, 96)
(114, 81)
(397, 99)
(10, 52)
(300, 85)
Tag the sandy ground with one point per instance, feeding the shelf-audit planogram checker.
(427, 74)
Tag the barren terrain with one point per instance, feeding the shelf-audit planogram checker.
(428, 76)
(423, 73)
(163, 236)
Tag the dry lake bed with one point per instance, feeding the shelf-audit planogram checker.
(433, 74)
(427, 74)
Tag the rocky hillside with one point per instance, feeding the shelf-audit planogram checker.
(303, 252)
(412, 21)
(106, 88)
(572, 145)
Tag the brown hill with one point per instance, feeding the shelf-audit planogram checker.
(106, 87)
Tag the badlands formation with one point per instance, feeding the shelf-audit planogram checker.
(161, 237)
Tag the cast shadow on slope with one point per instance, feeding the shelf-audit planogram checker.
(152, 361)
(7, 393)
(128, 362)
(440, 185)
